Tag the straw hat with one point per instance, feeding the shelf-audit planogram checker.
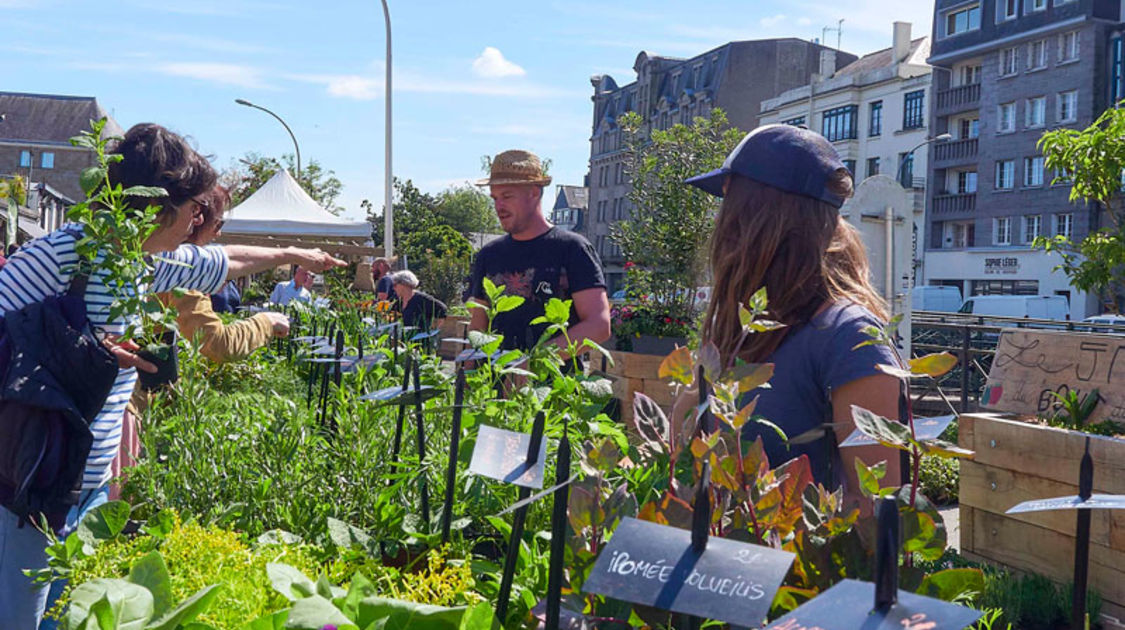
(516, 167)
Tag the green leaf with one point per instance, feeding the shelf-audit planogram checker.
(953, 584)
(869, 476)
(346, 536)
(507, 303)
(361, 588)
(313, 613)
(104, 522)
(711, 361)
(275, 621)
(479, 617)
(557, 311)
(161, 524)
(678, 366)
(188, 609)
(887, 432)
(279, 537)
(151, 573)
(145, 191)
(599, 389)
(91, 178)
(401, 615)
(596, 347)
(121, 604)
(289, 581)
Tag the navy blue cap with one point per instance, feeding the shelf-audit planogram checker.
(788, 158)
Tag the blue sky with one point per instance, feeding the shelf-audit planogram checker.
(470, 78)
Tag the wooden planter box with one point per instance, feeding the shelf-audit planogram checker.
(452, 328)
(1017, 461)
(638, 373)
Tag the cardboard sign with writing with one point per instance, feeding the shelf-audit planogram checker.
(1073, 502)
(502, 455)
(924, 429)
(847, 606)
(1030, 365)
(654, 565)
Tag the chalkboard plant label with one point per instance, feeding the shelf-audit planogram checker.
(654, 565)
(1073, 502)
(924, 429)
(398, 395)
(847, 606)
(502, 455)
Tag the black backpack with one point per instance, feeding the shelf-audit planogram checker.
(55, 376)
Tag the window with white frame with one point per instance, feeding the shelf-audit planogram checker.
(1002, 231)
(968, 128)
(1005, 174)
(1005, 117)
(966, 182)
(968, 74)
(1033, 171)
(1068, 46)
(1032, 225)
(962, 235)
(47, 159)
(1007, 10)
(1068, 106)
(1033, 6)
(1064, 224)
(1036, 113)
(25, 158)
(1009, 61)
(962, 20)
(1037, 55)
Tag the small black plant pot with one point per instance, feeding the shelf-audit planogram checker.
(166, 360)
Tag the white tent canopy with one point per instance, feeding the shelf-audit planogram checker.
(282, 208)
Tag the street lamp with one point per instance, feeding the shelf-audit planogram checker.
(909, 155)
(388, 207)
(242, 101)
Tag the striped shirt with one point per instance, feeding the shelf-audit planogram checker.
(44, 267)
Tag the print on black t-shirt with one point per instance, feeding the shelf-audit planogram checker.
(556, 264)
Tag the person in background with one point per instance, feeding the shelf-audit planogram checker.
(779, 228)
(299, 288)
(228, 299)
(381, 275)
(536, 260)
(419, 309)
(150, 155)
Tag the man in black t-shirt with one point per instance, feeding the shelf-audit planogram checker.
(420, 309)
(536, 261)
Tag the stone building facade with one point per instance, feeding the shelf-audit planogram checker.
(737, 77)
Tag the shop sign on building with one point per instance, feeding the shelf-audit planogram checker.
(1001, 265)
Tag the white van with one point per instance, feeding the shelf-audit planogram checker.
(1031, 306)
(927, 298)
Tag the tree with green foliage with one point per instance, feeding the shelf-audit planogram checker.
(253, 170)
(665, 239)
(413, 211)
(468, 210)
(1092, 160)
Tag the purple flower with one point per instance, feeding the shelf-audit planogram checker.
(329, 626)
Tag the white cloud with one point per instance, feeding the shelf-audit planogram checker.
(224, 73)
(491, 64)
(367, 88)
(804, 21)
(772, 21)
(355, 87)
(208, 43)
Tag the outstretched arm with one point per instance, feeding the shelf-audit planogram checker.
(248, 259)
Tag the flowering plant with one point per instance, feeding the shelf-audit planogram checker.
(643, 317)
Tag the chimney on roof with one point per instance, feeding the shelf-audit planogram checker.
(827, 63)
(901, 46)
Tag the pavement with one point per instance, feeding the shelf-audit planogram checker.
(952, 516)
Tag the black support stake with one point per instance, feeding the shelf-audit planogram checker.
(886, 555)
(454, 447)
(706, 419)
(1082, 543)
(558, 531)
(517, 522)
(420, 436)
(401, 412)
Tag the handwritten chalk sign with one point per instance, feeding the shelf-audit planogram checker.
(1031, 365)
(397, 395)
(318, 339)
(1073, 502)
(654, 565)
(924, 429)
(502, 455)
(366, 362)
(425, 335)
(847, 606)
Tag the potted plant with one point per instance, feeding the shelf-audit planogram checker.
(114, 234)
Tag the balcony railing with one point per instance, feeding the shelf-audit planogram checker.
(949, 204)
(956, 150)
(959, 98)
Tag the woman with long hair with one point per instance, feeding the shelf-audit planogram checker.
(779, 227)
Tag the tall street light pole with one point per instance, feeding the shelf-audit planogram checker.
(297, 147)
(388, 207)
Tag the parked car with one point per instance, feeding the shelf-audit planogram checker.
(1025, 306)
(1106, 319)
(617, 297)
(934, 298)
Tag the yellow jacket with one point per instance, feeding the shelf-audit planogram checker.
(218, 341)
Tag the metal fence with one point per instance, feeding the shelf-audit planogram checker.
(972, 339)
